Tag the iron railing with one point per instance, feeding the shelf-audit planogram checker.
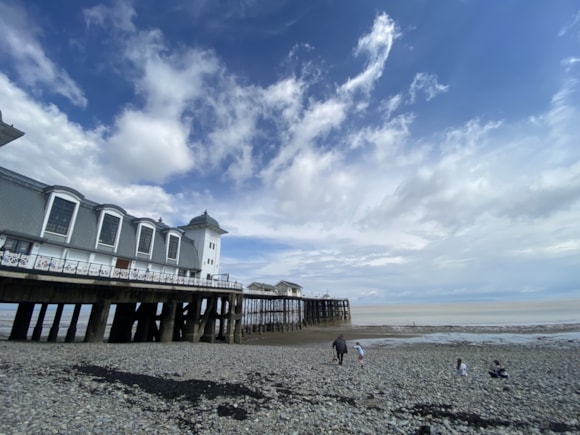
(65, 266)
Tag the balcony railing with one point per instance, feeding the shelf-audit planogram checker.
(65, 266)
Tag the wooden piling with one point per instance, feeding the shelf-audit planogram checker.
(37, 332)
(98, 322)
(72, 329)
(22, 321)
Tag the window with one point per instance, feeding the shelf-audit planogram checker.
(60, 217)
(109, 229)
(145, 239)
(173, 247)
(16, 246)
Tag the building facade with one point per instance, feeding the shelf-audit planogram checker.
(283, 288)
(62, 228)
(286, 288)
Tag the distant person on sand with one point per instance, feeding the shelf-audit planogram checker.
(361, 354)
(461, 368)
(340, 345)
(497, 370)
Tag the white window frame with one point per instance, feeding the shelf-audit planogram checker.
(115, 213)
(67, 196)
(147, 225)
(174, 234)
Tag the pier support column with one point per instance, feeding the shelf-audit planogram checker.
(238, 307)
(191, 328)
(167, 322)
(224, 302)
(72, 328)
(22, 321)
(122, 326)
(53, 334)
(98, 322)
(208, 320)
(37, 333)
(178, 323)
(228, 316)
(146, 326)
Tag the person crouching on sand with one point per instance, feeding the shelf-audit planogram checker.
(461, 368)
(361, 354)
(497, 370)
(340, 345)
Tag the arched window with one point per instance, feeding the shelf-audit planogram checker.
(109, 226)
(61, 212)
(173, 244)
(145, 238)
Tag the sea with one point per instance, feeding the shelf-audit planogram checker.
(488, 313)
(548, 313)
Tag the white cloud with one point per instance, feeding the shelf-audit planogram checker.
(428, 84)
(377, 46)
(390, 105)
(19, 41)
(572, 26)
(121, 16)
(147, 148)
(570, 62)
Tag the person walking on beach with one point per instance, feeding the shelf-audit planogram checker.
(497, 370)
(340, 345)
(361, 354)
(461, 368)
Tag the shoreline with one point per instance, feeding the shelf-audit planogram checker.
(326, 334)
(319, 335)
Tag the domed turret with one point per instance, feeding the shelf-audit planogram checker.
(206, 221)
(206, 233)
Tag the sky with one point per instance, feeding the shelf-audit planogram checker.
(382, 151)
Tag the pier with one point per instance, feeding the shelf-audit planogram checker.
(140, 306)
(272, 313)
(147, 306)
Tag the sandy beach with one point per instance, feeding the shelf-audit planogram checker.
(265, 387)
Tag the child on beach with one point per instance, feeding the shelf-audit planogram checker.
(497, 370)
(461, 368)
(361, 354)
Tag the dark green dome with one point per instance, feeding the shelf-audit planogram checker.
(204, 219)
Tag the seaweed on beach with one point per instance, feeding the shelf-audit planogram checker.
(475, 420)
(190, 390)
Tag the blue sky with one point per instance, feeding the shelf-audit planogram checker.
(388, 152)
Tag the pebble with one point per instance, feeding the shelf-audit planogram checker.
(201, 388)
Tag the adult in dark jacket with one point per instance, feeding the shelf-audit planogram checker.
(340, 345)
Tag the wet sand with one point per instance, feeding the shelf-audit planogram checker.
(320, 335)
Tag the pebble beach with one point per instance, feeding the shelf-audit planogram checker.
(261, 387)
